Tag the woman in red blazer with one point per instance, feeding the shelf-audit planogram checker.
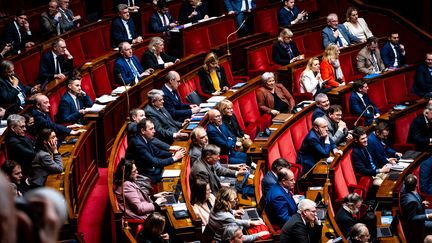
(273, 98)
(330, 67)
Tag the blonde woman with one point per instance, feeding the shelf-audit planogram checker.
(273, 98)
(212, 76)
(310, 79)
(155, 57)
(357, 26)
(284, 50)
(330, 67)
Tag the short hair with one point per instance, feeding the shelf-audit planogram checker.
(349, 12)
(265, 77)
(121, 45)
(410, 183)
(352, 199)
(121, 7)
(143, 124)
(357, 231)
(154, 41)
(210, 149)
(282, 174)
(14, 119)
(5, 65)
(371, 40)
(318, 121)
(154, 224)
(230, 232)
(72, 78)
(57, 199)
(223, 105)
(199, 191)
(305, 204)
(285, 32)
(8, 166)
(154, 94)
(358, 132)
(134, 112)
(427, 110)
(280, 163)
(194, 133)
(358, 84)
(331, 16)
(320, 96)
(392, 32)
(161, 4)
(382, 126)
(20, 12)
(334, 108)
(170, 76)
(56, 42)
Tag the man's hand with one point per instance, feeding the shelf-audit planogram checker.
(195, 109)
(29, 44)
(74, 126)
(168, 64)
(77, 132)
(185, 122)
(178, 155)
(338, 152)
(175, 148)
(231, 12)
(274, 112)
(341, 125)
(59, 76)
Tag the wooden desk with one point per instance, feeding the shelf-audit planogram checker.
(394, 114)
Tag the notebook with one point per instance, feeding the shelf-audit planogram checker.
(388, 231)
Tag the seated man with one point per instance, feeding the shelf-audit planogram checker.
(369, 58)
(199, 141)
(209, 169)
(127, 68)
(337, 128)
(290, 14)
(323, 104)
(73, 103)
(362, 159)
(316, 145)
(148, 158)
(167, 129)
(18, 34)
(220, 135)
(123, 28)
(17, 182)
(49, 22)
(379, 147)
(280, 203)
(423, 78)
(270, 178)
(161, 20)
(359, 102)
(337, 33)
(178, 110)
(420, 132)
(346, 217)
(426, 176)
(389, 49)
(68, 20)
(55, 64)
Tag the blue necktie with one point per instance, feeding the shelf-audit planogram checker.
(370, 159)
(133, 68)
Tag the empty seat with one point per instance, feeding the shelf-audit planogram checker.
(265, 20)
(30, 65)
(87, 86)
(218, 32)
(76, 50)
(396, 90)
(101, 83)
(196, 41)
(93, 44)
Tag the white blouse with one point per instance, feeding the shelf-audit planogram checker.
(361, 30)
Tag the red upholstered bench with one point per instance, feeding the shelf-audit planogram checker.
(100, 80)
(360, 186)
(265, 20)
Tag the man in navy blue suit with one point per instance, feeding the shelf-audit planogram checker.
(55, 64)
(379, 147)
(423, 78)
(323, 105)
(420, 131)
(73, 103)
(127, 68)
(359, 101)
(390, 48)
(337, 33)
(178, 110)
(220, 135)
(290, 14)
(123, 28)
(280, 203)
(18, 34)
(316, 145)
(161, 20)
(242, 9)
(270, 177)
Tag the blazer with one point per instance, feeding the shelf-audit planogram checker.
(361, 162)
(187, 9)
(414, 216)
(132, 131)
(380, 150)
(285, 17)
(233, 125)
(328, 37)
(328, 73)
(164, 124)
(365, 61)
(138, 203)
(266, 100)
(420, 133)
(426, 176)
(210, 173)
(296, 231)
(156, 25)
(235, 5)
(221, 137)
(357, 107)
(47, 67)
(172, 103)
(194, 153)
(309, 83)
(335, 134)
(206, 82)
(11, 35)
(312, 150)
(149, 159)
(43, 120)
(422, 81)
(21, 149)
(149, 60)
(388, 55)
(318, 112)
(345, 221)
(219, 220)
(118, 32)
(43, 165)
(66, 20)
(48, 24)
(9, 94)
(268, 181)
(362, 33)
(203, 211)
(280, 54)
(67, 111)
(122, 70)
(280, 205)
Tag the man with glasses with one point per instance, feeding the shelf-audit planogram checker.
(337, 33)
(18, 34)
(337, 128)
(50, 20)
(68, 20)
(55, 64)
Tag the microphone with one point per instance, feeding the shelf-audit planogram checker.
(364, 111)
(237, 30)
(119, 76)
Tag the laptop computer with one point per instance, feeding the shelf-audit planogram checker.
(320, 207)
(388, 231)
(172, 198)
(250, 214)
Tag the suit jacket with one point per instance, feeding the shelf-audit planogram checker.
(149, 60)
(11, 35)
(365, 61)
(219, 220)
(43, 120)
(345, 221)
(313, 149)
(280, 205)
(280, 54)
(327, 34)
(122, 70)
(48, 24)
(413, 214)
(43, 165)
(309, 83)
(119, 34)
(267, 182)
(149, 159)
(194, 153)
(380, 150)
(187, 9)
(388, 55)
(336, 135)
(420, 133)
(210, 173)
(266, 100)
(9, 94)
(132, 131)
(21, 149)
(206, 82)
(138, 203)
(422, 81)
(221, 137)
(285, 17)
(172, 103)
(426, 176)
(66, 20)
(361, 162)
(329, 73)
(156, 25)
(233, 125)
(47, 67)
(357, 107)
(67, 110)
(295, 231)
(165, 125)
(318, 112)
(235, 5)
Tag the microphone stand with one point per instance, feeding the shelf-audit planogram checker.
(125, 222)
(361, 115)
(127, 93)
(237, 30)
(327, 183)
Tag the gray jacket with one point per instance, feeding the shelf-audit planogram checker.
(43, 165)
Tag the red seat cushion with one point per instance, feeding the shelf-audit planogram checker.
(30, 66)
(87, 86)
(101, 83)
(196, 41)
(93, 44)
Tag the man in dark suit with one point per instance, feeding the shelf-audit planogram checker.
(426, 176)
(167, 129)
(49, 20)
(379, 146)
(55, 64)
(18, 33)
(270, 178)
(369, 58)
(220, 135)
(127, 68)
(290, 14)
(337, 33)
(423, 78)
(388, 52)
(316, 145)
(280, 203)
(178, 110)
(304, 226)
(148, 158)
(242, 9)
(359, 101)
(123, 28)
(323, 104)
(161, 20)
(73, 103)
(68, 20)
(420, 131)
(345, 217)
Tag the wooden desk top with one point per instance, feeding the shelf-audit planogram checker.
(421, 103)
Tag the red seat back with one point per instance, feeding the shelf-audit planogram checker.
(93, 44)
(377, 95)
(110, 67)
(121, 151)
(396, 90)
(409, 79)
(238, 114)
(288, 152)
(340, 186)
(347, 66)
(87, 86)
(54, 100)
(219, 31)
(105, 30)
(185, 88)
(75, 48)
(20, 73)
(300, 44)
(188, 170)
(101, 83)
(249, 108)
(30, 65)
(313, 43)
(402, 125)
(299, 131)
(196, 41)
(347, 168)
(265, 20)
(228, 73)
(258, 59)
(296, 80)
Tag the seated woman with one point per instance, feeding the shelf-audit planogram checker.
(273, 98)
(48, 160)
(223, 214)
(155, 57)
(229, 118)
(202, 200)
(330, 67)
(192, 11)
(284, 50)
(212, 76)
(152, 230)
(357, 26)
(137, 200)
(310, 79)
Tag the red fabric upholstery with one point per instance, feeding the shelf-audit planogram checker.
(396, 90)
(265, 20)
(232, 80)
(296, 80)
(30, 65)
(75, 48)
(300, 44)
(259, 61)
(402, 125)
(93, 44)
(250, 112)
(339, 186)
(188, 170)
(309, 120)
(309, 5)
(409, 79)
(273, 154)
(198, 88)
(313, 43)
(121, 151)
(350, 177)
(101, 83)
(300, 130)
(252, 129)
(139, 51)
(218, 32)
(105, 30)
(378, 96)
(54, 100)
(145, 23)
(87, 86)
(174, 8)
(3, 154)
(288, 152)
(185, 88)
(196, 41)
(20, 73)
(110, 67)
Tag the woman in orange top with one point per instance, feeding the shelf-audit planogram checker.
(330, 67)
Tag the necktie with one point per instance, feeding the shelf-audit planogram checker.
(58, 69)
(369, 156)
(163, 113)
(133, 68)
(247, 5)
(374, 62)
(338, 39)
(175, 95)
(164, 20)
